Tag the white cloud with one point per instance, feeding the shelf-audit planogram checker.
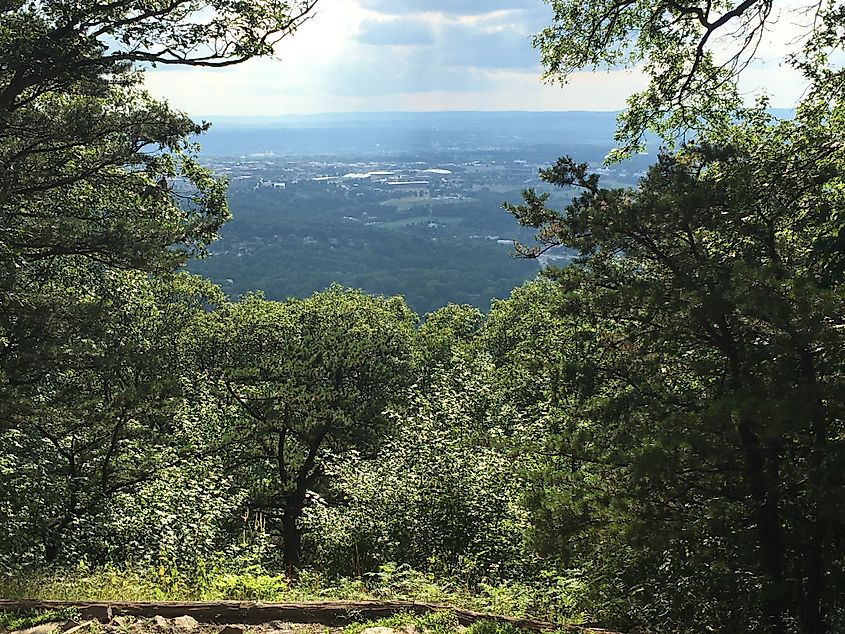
(445, 55)
(397, 32)
(449, 7)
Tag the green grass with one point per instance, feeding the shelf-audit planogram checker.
(166, 583)
(433, 623)
(12, 620)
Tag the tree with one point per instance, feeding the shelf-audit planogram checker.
(691, 52)
(102, 420)
(299, 385)
(441, 336)
(99, 189)
(442, 496)
(712, 430)
(89, 162)
(701, 452)
(87, 159)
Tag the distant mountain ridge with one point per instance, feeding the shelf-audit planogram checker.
(385, 133)
(398, 132)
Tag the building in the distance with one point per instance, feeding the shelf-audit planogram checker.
(409, 189)
(381, 175)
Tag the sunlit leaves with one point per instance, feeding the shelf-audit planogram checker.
(710, 297)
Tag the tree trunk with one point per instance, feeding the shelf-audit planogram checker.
(811, 611)
(292, 534)
(811, 615)
(762, 471)
(52, 547)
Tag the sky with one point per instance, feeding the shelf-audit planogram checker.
(421, 55)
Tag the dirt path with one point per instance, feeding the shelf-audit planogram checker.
(243, 617)
(178, 625)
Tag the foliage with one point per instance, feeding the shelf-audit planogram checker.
(19, 620)
(97, 424)
(99, 190)
(702, 451)
(651, 438)
(435, 498)
(299, 385)
(692, 54)
(441, 336)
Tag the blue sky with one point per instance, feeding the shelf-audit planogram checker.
(415, 55)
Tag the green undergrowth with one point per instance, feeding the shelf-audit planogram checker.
(11, 620)
(433, 623)
(167, 583)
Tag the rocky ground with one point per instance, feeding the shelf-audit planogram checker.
(182, 625)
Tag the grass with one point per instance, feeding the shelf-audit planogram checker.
(391, 582)
(19, 620)
(433, 623)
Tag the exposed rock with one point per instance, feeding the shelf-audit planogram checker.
(97, 612)
(44, 628)
(160, 621)
(78, 628)
(185, 622)
(410, 628)
(382, 630)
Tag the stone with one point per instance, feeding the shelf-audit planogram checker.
(232, 629)
(185, 622)
(122, 621)
(78, 628)
(380, 630)
(97, 612)
(160, 621)
(44, 628)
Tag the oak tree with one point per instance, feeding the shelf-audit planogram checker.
(297, 385)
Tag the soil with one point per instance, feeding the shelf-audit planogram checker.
(179, 625)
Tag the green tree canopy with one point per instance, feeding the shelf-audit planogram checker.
(297, 385)
(100, 418)
(711, 436)
(99, 191)
(87, 158)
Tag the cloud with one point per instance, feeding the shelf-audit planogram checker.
(449, 7)
(397, 32)
(463, 45)
(349, 58)
(434, 48)
(386, 70)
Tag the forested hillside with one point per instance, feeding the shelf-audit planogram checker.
(649, 438)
